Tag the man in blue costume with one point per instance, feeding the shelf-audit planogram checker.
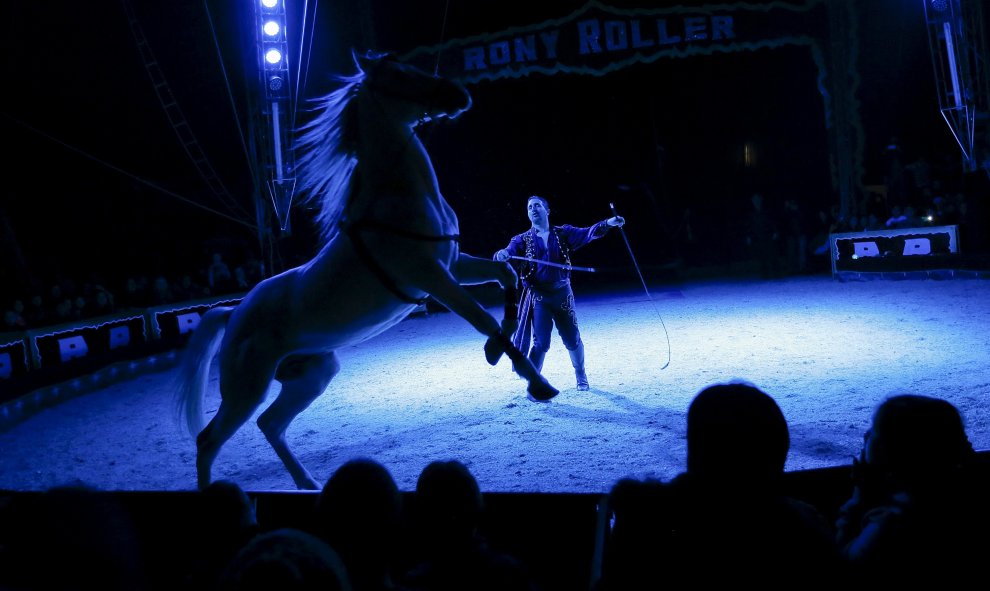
(547, 298)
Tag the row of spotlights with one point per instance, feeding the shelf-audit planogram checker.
(272, 29)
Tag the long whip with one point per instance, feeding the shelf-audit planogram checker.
(643, 281)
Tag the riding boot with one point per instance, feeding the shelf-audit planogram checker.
(577, 360)
(537, 358)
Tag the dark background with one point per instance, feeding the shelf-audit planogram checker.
(96, 181)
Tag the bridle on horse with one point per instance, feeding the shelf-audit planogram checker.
(353, 229)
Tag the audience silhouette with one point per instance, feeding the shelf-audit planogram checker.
(916, 515)
(454, 555)
(225, 520)
(918, 512)
(359, 513)
(725, 520)
(285, 559)
(763, 236)
(218, 275)
(71, 299)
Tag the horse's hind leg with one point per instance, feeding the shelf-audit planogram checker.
(239, 400)
(303, 379)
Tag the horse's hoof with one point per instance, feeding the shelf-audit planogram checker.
(493, 350)
(541, 391)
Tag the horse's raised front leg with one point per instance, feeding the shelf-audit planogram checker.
(303, 379)
(439, 283)
(472, 270)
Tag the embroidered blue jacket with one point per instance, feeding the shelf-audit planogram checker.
(562, 240)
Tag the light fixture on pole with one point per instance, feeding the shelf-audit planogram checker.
(274, 71)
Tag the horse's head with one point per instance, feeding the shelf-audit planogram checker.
(369, 117)
(418, 95)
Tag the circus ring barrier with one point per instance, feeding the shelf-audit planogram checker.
(45, 366)
(919, 250)
(42, 367)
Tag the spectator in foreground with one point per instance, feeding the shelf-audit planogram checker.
(726, 520)
(918, 511)
(285, 559)
(359, 513)
(447, 508)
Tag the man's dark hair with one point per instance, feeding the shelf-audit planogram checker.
(542, 200)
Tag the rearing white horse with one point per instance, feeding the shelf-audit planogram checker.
(390, 241)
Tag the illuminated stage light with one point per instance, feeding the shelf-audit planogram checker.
(272, 35)
(273, 57)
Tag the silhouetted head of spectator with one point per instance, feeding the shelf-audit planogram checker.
(359, 509)
(103, 302)
(37, 313)
(225, 521)
(63, 310)
(229, 506)
(736, 431)
(916, 437)
(448, 500)
(10, 320)
(285, 559)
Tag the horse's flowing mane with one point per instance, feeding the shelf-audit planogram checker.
(326, 157)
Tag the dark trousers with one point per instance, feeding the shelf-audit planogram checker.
(554, 306)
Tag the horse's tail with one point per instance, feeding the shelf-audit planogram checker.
(194, 368)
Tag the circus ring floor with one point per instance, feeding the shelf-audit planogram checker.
(827, 350)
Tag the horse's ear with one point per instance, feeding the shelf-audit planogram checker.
(365, 61)
(359, 60)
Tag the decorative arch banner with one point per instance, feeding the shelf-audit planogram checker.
(597, 39)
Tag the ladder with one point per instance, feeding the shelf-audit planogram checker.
(178, 120)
